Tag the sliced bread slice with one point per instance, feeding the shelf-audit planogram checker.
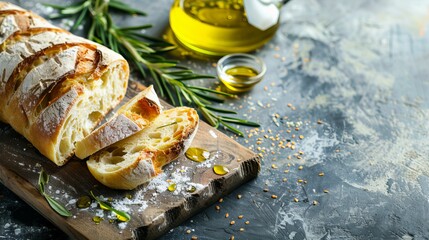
(128, 120)
(138, 158)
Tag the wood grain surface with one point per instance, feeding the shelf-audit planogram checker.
(153, 210)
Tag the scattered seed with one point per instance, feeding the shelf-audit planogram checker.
(274, 166)
(286, 171)
(315, 202)
(274, 196)
(301, 152)
(319, 121)
(297, 129)
(300, 180)
(326, 191)
(232, 237)
(188, 231)
(232, 222)
(226, 215)
(220, 200)
(194, 238)
(300, 167)
(239, 196)
(240, 216)
(289, 104)
(247, 222)
(321, 174)
(217, 207)
(265, 190)
(241, 229)
(301, 137)
(296, 200)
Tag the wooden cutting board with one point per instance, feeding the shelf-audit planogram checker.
(154, 210)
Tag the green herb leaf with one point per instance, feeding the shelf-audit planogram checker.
(58, 207)
(122, 216)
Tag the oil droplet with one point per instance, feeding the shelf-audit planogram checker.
(172, 187)
(220, 170)
(121, 218)
(97, 219)
(103, 206)
(83, 202)
(197, 154)
(191, 189)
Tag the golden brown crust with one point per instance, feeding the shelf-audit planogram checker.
(128, 120)
(54, 86)
(167, 137)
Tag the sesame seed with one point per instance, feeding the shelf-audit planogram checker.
(226, 215)
(239, 196)
(194, 238)
(232, 222)
(247, 222)
(240, 216)
(217, 207)
(321, 174)
(274, 196)
(300, 167)
(315, 202)
(296, 200)
(241, 229)
(188, 231)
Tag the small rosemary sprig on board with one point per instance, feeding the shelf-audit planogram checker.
(144, 52)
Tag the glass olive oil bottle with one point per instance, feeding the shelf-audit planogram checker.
(216, 27)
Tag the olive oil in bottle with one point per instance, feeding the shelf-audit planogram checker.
(216, 27)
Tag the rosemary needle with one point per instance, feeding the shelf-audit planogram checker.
(145, 53)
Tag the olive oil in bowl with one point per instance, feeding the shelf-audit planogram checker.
(216, 27)
(240, 72)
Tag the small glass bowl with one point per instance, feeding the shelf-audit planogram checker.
(240, 72)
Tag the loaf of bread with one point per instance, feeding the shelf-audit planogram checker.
(138, 158)
(55, 87)
(129, 119)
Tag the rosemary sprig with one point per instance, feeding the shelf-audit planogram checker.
(120, 215)
(58, 207)
(144, 52)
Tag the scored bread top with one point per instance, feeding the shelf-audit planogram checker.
(136, 159)
(129, 119)
(54, 87)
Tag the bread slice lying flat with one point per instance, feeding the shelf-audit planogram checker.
(129, 119)
(138, 158)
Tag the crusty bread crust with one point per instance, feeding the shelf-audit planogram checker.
(129, 119)
(54, 87)
(165, 139)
